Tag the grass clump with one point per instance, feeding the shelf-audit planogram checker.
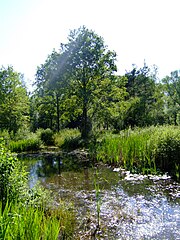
(22, 222)
(25, 145)
(145, 150)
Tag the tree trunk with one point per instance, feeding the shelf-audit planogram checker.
(84, 133)
(58, 112)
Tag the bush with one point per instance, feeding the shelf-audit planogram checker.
(14, 182)
(5, 135)
(47, 137)
(167, 150)
(68, 138)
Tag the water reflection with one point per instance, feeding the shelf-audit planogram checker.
(132, 207)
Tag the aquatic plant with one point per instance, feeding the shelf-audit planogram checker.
(25, 145)
(26, 222)
(145, 150)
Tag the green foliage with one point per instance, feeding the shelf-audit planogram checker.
(11, 184)
(143, 150)
(14, 181)
(27, 222)
(24, 141)
(25, 145)
(27, 213)
(76, 77)
(172, 93)
(148, 107)
(14, 102)
(47, 137)
(4, 134)
(68, 138)
(167, 150)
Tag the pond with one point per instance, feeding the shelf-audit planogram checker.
(129, 206)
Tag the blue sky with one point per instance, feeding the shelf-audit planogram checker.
(135, 29)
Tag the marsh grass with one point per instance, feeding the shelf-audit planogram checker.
(25, 145)
(26, 222)
(147, 150)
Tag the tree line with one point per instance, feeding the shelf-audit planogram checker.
(78, 87)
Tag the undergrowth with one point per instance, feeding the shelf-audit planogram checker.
(28, 213)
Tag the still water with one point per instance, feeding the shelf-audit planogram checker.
(130, 206)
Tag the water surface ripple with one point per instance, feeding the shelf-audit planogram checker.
(131, 206)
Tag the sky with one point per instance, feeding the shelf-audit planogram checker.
(136, 30)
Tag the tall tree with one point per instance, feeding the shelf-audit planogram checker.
(88, 62)
(51, 87)
(75, 73)
(14, 101)
(141, 86)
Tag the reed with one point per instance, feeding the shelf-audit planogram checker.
(26, 222)
(25, 145)
(145, 150)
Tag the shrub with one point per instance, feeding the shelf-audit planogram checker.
(14, 181)
(47, 137)
(167, 150)
(5, 135)
(23, 133)
(68, 138)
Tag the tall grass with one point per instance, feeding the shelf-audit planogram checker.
(143, 150)
(26, 222)
(25, 145)
(28, 213)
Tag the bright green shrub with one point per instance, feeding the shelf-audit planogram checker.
(12, 176)
(5, 135)
(14, 182)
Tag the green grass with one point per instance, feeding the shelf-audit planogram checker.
(28, 213)
(25, 145)
(26, 222)
(145, 150)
